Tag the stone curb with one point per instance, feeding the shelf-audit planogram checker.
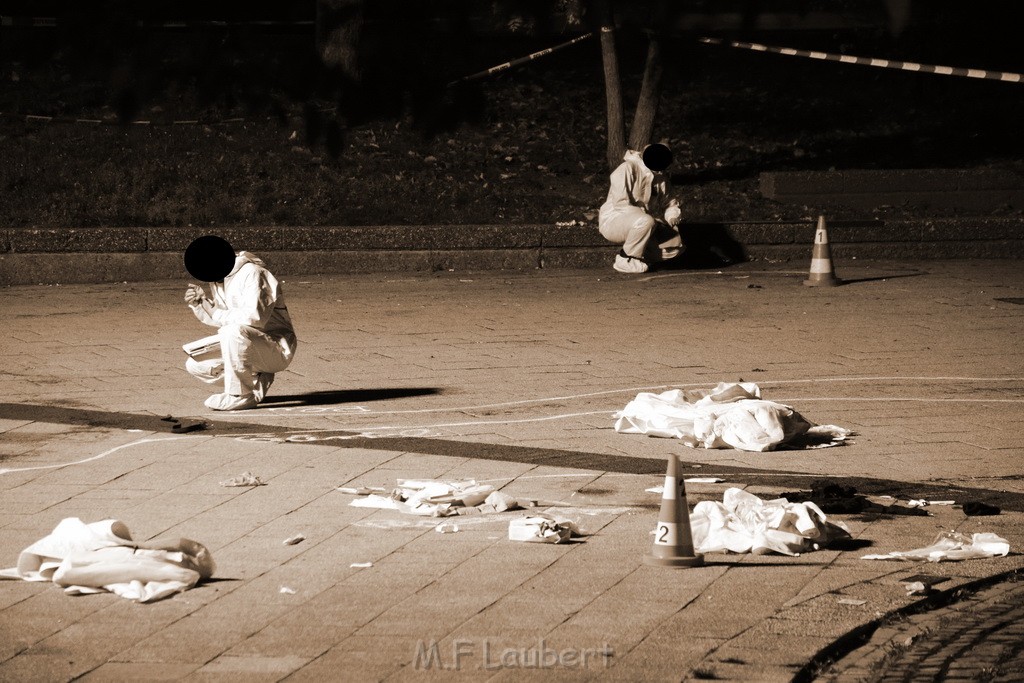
(114, 254)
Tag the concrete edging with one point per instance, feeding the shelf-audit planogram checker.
(115, 254)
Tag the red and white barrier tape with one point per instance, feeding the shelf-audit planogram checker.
(521, 60)
(1008, 77)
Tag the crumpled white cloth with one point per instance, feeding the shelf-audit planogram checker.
(101, 556)
(952, 545)
(743, 523)
(429, 497)
(542, 528)
(730, 415)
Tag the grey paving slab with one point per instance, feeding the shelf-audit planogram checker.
(510, 379)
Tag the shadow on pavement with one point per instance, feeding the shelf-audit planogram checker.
(84, 416)
(743, 562)
(321, 398)
(552, 457)
(879, 278)
(708, 245)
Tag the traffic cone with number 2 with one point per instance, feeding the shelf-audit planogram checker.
(673, 541)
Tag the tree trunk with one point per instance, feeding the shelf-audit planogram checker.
(612, 87)
(339, 24)
(650, 94)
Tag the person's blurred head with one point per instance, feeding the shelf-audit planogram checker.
(657, 156)
(209, 258)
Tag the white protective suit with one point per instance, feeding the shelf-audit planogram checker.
(731, 415)
(638, 209)
(256, 334)
(101, 556)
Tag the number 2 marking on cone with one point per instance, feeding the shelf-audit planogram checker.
(661, 536)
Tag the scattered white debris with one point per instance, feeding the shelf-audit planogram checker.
(922, 502)
(360, 490)
(851, 601)
(952, 545)
(434, 498)
(542, 528)
(244, 479)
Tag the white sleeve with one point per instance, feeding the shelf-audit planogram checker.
(202, 315)
(250, 301)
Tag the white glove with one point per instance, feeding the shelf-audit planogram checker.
(194, 295)
(673, 214)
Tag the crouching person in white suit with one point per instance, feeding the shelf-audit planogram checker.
(639, 213)
(246, 305)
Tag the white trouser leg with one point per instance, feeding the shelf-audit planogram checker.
(246, 351)
(631, 228)
(209, 371)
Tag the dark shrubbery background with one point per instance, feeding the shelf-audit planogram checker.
(276, 141)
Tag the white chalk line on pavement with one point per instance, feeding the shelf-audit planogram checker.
(115, 449)
(737, 275)
(892, 399)
(425, 430)
(478, 423)
(568, 397)
(548, 418)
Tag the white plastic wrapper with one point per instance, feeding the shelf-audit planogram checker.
(952, 545)
(728, 416)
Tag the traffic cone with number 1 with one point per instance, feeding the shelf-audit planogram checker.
(821, 274)
(673, 541)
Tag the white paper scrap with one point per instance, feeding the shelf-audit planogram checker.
(952, 545)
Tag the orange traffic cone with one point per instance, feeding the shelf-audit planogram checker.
(673, 541)
(821, 260)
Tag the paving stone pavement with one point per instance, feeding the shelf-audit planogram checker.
(977, 638)
(509, 378)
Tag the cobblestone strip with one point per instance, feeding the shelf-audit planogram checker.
(980, 637)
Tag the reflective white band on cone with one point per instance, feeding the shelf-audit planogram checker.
(822, 266)
(666, 533)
